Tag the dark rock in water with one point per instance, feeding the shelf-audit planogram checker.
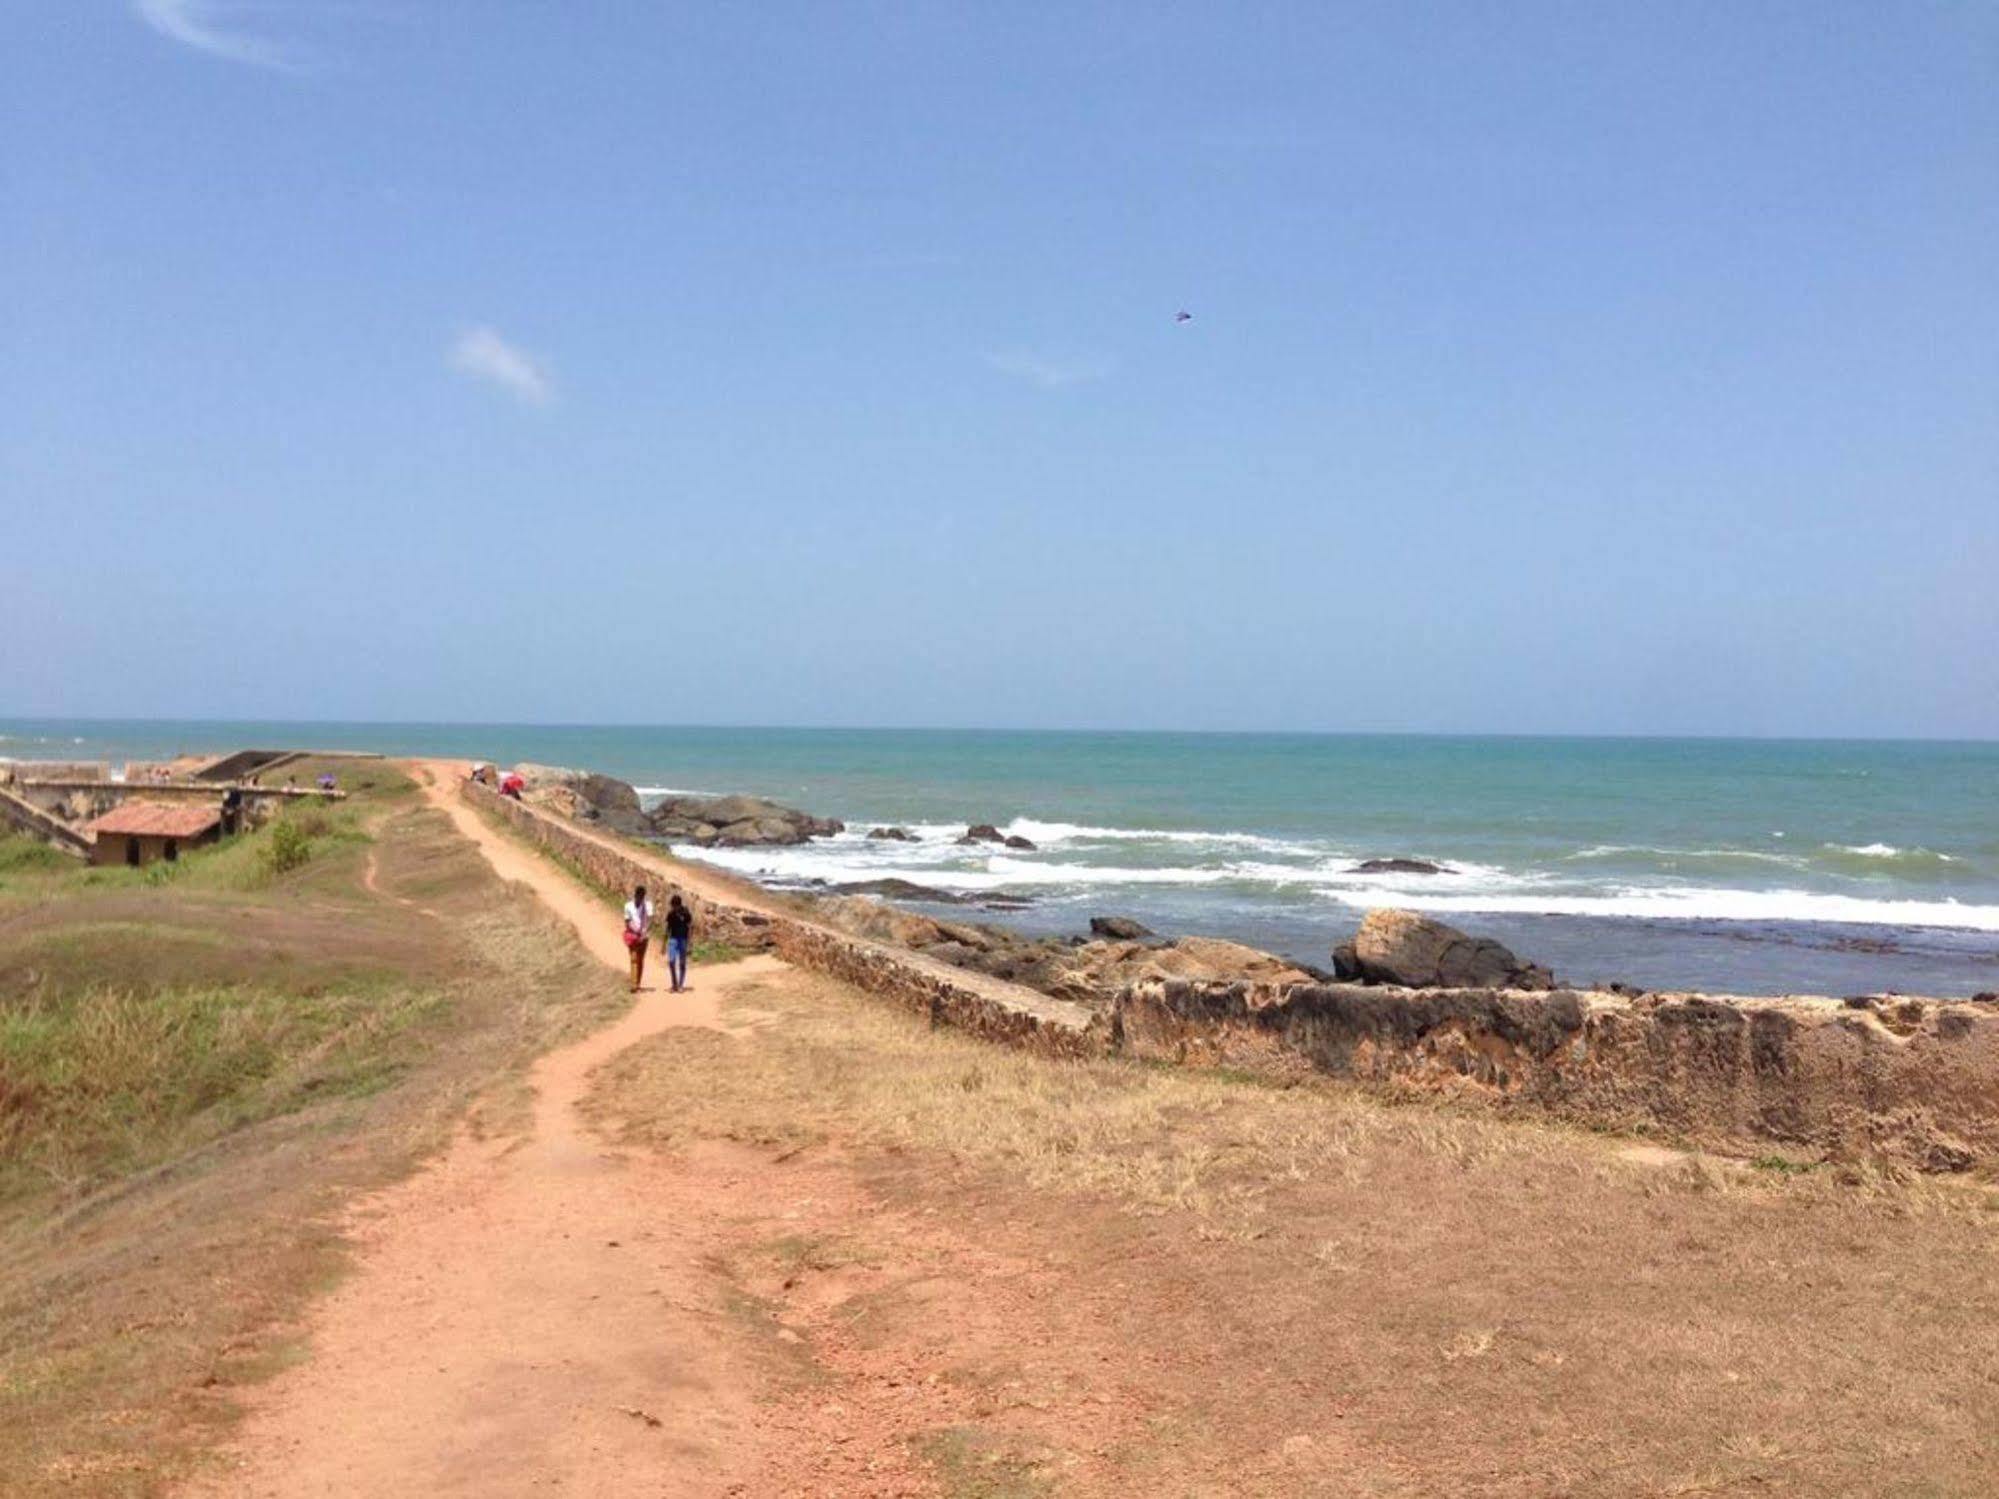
(983, 832)
(613, 798)
(1120, 928)
(1400, 947)
(895, 889)
(1400, 866)
(1346, 964)
(1006, 902)
(1985, 997)
(1860, 1001)
(736, 822)
(896, 835)
(1014, 840)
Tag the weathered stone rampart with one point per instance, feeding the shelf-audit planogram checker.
(1916, 1080)
(1912, 1080)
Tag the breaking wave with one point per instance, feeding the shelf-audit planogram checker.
(1469, 888)
(1698, 903)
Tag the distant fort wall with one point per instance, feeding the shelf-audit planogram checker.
(948, 996)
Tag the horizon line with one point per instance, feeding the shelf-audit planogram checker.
(473, 723)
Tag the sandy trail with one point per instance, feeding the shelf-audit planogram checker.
(525, 1316)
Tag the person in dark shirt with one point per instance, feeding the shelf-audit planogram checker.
(679, 936)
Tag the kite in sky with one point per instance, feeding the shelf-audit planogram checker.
(1183, 316)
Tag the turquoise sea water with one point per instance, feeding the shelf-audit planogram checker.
(1755, 865)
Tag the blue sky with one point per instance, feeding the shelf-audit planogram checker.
(1554, 368)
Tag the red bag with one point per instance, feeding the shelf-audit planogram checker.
(633, 939)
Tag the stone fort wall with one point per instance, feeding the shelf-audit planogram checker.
(1914, 1081)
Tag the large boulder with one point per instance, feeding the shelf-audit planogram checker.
(1119, 928)
(582, 794)
(983, 832)
(1109, 966)
(736, 822)
(1401, 947)
(892, 835)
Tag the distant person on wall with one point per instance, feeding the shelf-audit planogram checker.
(679, 936)
(638, 927)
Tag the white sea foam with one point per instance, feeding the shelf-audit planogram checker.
(1054, 834)
(836, 864)
(1702, 904)
(1615, 850)
(1468, 889)
(1890, 851)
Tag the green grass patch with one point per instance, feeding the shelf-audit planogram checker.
(22, 855)
(368, 779)
(103, 1081)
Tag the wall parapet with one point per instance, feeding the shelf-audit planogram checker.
(1916, 1081)
(946, 995)
(1913, 1080)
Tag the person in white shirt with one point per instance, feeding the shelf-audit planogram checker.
(638, 925)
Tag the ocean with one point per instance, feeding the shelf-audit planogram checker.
(1749, 866)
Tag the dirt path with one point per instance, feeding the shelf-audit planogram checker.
(525, 1315)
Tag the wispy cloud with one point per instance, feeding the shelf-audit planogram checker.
(1050, 371)
(484, 355)
(203, 25)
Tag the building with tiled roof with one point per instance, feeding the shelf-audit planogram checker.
(139, 832)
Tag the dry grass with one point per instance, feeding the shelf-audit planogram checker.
(1470, 1305)
(102, 1082)
(196, 1074)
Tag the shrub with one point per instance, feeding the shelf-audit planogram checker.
(290, 846)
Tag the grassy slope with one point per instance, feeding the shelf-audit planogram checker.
(198, 1065)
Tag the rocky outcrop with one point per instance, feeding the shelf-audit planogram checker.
(1065, 968)
(735, 822)
(900, 889)
(707, 821)
(1400, 866)
(892, 835)
(1401, 947)
(1120, 929)
(985, 832)
(1105, 967)
(583, 795)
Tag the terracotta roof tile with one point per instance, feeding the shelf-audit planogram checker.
(157, 820)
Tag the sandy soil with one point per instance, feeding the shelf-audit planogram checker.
(518, 1322)
(553, 1314)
